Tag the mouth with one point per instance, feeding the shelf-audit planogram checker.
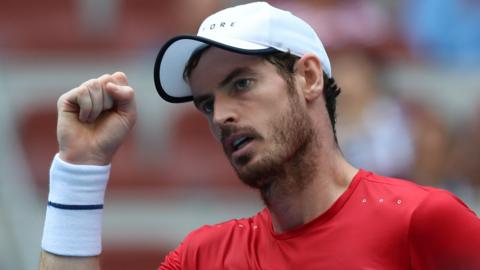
(237, 142)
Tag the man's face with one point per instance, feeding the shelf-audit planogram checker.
(251, 110)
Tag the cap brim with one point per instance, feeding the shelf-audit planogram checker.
(172, 58)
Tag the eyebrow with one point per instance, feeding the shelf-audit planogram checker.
(234, 73)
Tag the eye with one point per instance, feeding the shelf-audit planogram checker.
(243, 84)
(207, 107)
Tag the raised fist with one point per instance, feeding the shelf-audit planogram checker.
(95, 118)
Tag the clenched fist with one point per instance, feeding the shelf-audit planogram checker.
(95, 118)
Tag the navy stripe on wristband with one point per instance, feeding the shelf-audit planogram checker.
(75, 207)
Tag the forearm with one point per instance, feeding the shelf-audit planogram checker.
(93, 120)
(49, 261)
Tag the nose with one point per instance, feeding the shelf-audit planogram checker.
(224, 111)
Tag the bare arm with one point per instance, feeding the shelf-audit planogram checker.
(93, 120)
(49, 261)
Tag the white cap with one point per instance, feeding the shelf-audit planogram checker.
(255, 28)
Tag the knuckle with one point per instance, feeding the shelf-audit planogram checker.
(91, 84)
(120, 74)
(60, 100)
(83, 91)
(63, 96)
(105, 76)
(88, 82)
(129, 91)
(121, 77)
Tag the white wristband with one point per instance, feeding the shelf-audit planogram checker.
(73, 222)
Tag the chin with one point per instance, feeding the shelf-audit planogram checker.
(255, 172)
(243, 161)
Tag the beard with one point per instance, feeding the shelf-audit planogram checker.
(286, 165)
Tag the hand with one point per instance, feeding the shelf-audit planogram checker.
(95, 118)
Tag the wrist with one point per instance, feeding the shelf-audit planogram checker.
(75, 206)
(77, 184)
(81, 158)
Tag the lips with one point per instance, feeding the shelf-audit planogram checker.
(240, 142)
(236, 142)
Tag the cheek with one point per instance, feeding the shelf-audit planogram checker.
(214, 130)
(266, 122)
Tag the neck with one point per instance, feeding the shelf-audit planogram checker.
(307, 186)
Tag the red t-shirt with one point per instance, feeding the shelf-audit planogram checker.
(378, 223)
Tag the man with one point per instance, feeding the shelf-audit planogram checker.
(263, 80)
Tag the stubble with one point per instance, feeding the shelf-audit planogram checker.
(287, 165)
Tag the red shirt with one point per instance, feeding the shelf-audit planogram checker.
(378, 223)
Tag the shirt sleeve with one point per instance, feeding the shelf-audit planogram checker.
(172, 260)
(444, 234)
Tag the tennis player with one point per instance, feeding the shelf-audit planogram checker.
(262, 78)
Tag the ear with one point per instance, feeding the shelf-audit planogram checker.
(310, 68)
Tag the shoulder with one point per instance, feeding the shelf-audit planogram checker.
(424, 200)
(443, 210)
(428, 206)
(397, 189)
(444, 232)
(441, 229)
(208, 244)
(398, 184)
(419, 205)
